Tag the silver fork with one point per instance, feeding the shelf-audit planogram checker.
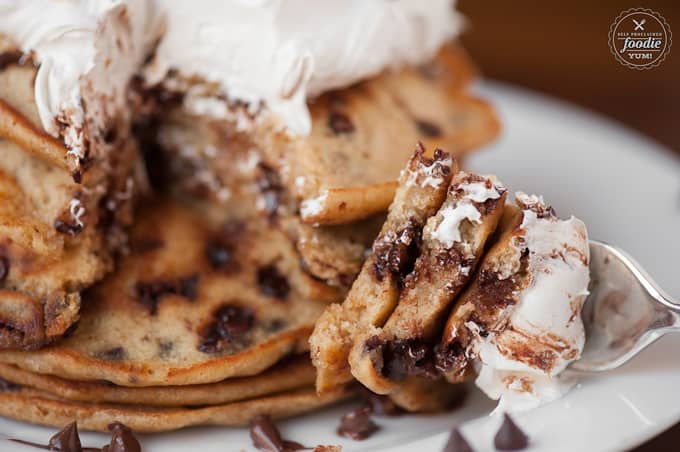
(625, 312)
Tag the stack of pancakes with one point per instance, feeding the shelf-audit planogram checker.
(196, 306)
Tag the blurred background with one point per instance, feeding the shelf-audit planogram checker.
(561, 49)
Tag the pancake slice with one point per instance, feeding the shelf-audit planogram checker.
(373, 296)
(452, 243)
(520, 319)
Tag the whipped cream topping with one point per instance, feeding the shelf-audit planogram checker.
(543, 333)
(278, 53)
(87, 51)
(448, 230)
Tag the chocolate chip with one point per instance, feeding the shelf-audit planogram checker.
(122, 439)
(188, 287)
(457, 443)
(220, 255)
(267, 438)
(265, 435)
(397, 255)
(165, 348)
(77, 176)
(340, 123)
(272, 283)
(112, 354)
(150, 293)
(230, 325)
(65, 227)
(66, 440)
(509, 436)
(428, 128)
(357, 424)
(4, 268)
(8, 386)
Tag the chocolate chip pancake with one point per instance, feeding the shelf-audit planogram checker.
(202, 296)
(31, 405)
(290, 374)
(422, 189)
(60, 219)
(343, 171)
(452, 243)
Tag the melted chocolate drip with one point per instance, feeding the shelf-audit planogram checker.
(457, 443)
(509, 436)
(357, 424)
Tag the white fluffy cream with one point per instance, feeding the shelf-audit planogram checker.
(87, 50)
(448, 230)
(546, 317)
(277, 53)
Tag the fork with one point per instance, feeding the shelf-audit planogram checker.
(625, 312)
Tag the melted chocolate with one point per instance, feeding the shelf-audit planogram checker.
(400, 358)
(457, 443)
(65, 227)
(357, 424)
(340, 123)
(397, 257)
(220, 255)
(150, 293)
(272, 283)
(509, 436)
(267, 438)
(229, 327)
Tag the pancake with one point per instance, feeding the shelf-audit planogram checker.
(290, 374)
(453, 240)
(30, 405)
(201, 297)
(61, 219)
(422, 188)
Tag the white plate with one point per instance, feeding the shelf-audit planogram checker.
(627, 190)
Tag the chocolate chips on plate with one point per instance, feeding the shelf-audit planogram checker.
(510, 436)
